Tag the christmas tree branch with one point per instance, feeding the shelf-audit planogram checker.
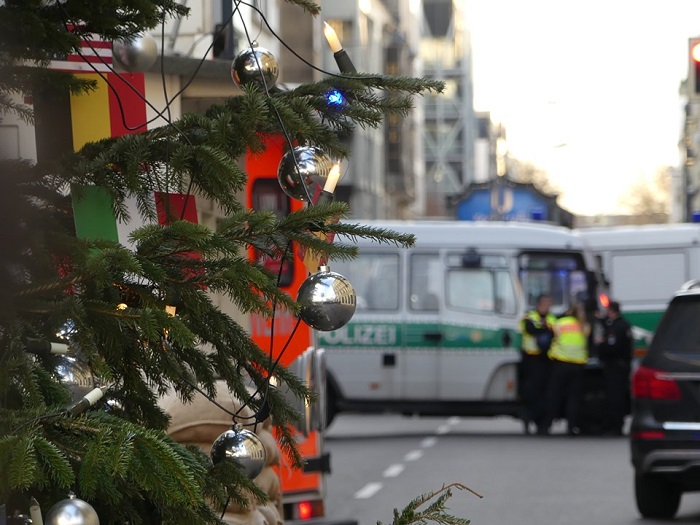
(435, 512)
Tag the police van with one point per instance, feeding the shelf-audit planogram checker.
(436, 330)
(644, 266)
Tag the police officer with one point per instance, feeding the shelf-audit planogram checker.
(615, 352)
(537, 333)
(569, 354)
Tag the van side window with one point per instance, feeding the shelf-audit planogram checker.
(375, 278)
(471, 289)
(426, 282)
(505, 294)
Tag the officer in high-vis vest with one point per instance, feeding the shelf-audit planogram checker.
(569, 354)
(537, 329)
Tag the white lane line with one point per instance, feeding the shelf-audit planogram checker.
(428, 442)
(442, 429)
(393, 470)
(368, 490)
(413, 455)
(454, 420)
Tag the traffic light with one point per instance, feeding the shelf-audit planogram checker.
(694, 68)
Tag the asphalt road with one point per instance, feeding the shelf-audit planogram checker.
(381, 462)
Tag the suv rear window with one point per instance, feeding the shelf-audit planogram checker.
(679, 329)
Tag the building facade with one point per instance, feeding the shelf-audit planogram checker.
(685, 182)
(487, 157)
(382, 177)
(450, 123)
(685, 199)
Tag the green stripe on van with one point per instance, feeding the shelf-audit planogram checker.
(381, 335)
(416, 335)
(646, 320)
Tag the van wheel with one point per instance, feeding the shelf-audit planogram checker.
(656, 497)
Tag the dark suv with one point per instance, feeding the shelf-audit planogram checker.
(665, 431)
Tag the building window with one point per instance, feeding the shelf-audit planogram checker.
(483, 127)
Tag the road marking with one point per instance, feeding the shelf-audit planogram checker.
(393, 471)
(413, 455)
(428, 442)
(454, 420)
(442, 429)
(368, 490)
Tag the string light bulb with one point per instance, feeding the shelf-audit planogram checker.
(332, 179)
(335, 98)
(345, 65)
(332, 38)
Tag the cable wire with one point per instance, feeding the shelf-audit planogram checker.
(312, 66)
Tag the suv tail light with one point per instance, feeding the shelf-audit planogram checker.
(648, 383)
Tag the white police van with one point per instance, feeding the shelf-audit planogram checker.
(436, 330)
(644, 266)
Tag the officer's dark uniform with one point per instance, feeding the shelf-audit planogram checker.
(615, 353)
(537, 337)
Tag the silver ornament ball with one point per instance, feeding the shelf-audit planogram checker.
(72, 511)
(243, 448)
(303, 166)
(327, 300)
(136, 54)
(255, 65)
(76, 375)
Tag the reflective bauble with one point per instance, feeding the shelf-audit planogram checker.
(242, 447)
(303, 167)
(72, 511)
(327, 300)
(76, 375)
(257, 66)
(136, 54)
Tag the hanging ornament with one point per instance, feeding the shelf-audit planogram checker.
(76, 375)
(71, 368)
(138, 53)
(301, 170)
(327, 300)
(255, 65)
(72, 511)
(242, 447)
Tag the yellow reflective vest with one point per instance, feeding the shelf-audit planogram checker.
(570, 344)
(529, 342)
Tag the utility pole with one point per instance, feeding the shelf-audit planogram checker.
(691, 174)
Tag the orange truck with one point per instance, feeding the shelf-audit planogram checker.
(303, 490)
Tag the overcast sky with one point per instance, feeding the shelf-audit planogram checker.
(586, 90)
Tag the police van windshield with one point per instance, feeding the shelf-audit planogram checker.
(562, 276)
